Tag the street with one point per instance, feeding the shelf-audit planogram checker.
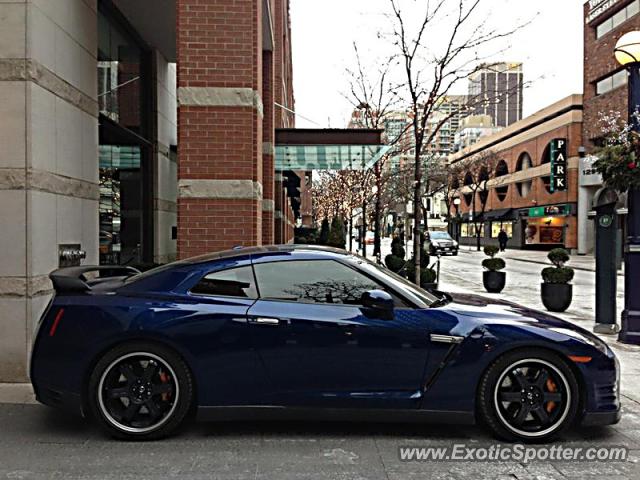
(38, 442)
(41, 443)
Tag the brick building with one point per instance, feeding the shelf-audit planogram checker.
(135, 132)
(605, 90)
(520, 199)
(605, 81)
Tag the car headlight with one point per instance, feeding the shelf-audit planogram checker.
(594, 341)
(455, 244)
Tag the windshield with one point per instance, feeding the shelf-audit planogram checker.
(421, 298)
(440, 235)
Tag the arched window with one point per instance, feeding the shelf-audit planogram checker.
(468, 180)
(502, 169)
(524, 163)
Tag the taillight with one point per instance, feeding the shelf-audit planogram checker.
(56, 321)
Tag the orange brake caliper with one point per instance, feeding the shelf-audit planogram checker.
(551, 386)
(164, 378)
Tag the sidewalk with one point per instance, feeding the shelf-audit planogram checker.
(586, 263)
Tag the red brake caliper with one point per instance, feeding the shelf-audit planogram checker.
(164, 378)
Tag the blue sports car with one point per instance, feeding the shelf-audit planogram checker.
(312, 333)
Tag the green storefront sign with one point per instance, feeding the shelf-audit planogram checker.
(535, 212)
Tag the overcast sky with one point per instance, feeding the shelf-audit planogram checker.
(550, 48)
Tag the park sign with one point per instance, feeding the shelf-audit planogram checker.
(558, 165)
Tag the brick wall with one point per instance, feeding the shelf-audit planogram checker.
(599, 62)
(538, 195)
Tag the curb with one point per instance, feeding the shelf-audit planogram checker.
(17, 393)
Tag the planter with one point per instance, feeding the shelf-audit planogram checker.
(430, 286)
(494, 281)
(556, 297)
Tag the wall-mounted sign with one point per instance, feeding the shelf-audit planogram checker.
(549, 211)
(558, 165)
(588, 175)
(598, 7)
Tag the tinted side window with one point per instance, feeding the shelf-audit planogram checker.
(235, 282)
(315, 281)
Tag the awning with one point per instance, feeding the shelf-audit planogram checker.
(499, 214)
(328, 149)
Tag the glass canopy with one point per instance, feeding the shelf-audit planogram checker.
(328, 157)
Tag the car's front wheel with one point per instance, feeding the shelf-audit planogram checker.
(140, 391)
(528, 395)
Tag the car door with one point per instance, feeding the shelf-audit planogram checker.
(320, 347)
(214, 325)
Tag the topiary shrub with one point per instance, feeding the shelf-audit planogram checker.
(410, 268)
(337, 236)
(491, 251)
(397, 248)
(558, 256)
(557, 274)
(493, 264)
(324, 232)
(427, 276)
(394, 263)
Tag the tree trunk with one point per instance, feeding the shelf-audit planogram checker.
(364, 229)
(376, 223)
(351, 232)
(417, 236)
(478, 235)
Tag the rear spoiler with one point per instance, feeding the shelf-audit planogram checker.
(73, 279)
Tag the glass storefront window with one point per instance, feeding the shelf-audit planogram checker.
(468, 230)
(497, 226)
(120, 205)
(547, 230)
(119, 75)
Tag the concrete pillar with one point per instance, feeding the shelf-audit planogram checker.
(586, 230)
(166, 168)
(219, 125)
(48, 161)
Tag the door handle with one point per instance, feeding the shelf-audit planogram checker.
(266, 321)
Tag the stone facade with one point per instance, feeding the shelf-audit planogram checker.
(49, 158)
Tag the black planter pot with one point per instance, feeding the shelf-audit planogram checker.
(494, 281)
(430, 286)
(556, 297)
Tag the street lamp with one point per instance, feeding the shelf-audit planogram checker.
(627, 53)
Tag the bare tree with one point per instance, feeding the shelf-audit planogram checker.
(431, 72)
(375, 99)
(476, 174)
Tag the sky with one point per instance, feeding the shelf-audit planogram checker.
(550, 46)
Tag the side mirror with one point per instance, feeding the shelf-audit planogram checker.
(379, 302)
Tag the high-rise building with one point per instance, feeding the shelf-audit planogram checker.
(496, 90)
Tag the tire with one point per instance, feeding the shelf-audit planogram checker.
(501, 412)
(157, 397)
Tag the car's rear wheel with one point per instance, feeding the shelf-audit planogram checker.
(528, 395)
(140, 391)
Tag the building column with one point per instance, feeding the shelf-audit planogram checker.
(220, 117)
(586, 230)
(166, 168)
(48, 161)
(268, 150)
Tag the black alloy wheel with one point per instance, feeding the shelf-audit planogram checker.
(528, 396)
(140, 391)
